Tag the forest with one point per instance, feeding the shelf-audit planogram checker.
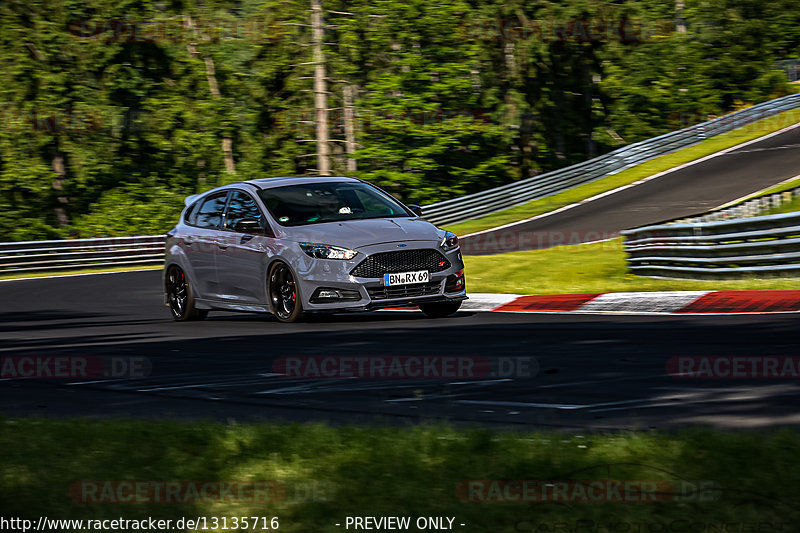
(111, 112)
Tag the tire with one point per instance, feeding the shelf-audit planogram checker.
(284, 296)
(180, 296)
(440, 309)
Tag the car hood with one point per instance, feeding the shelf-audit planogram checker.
(357, 233)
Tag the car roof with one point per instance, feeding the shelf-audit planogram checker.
(268, 183)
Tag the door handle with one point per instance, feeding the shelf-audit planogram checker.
(222, 245)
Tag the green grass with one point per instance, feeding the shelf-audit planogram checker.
(27, 275)
(788, 207)
(331, 473)
(631, 175)
(597, 267)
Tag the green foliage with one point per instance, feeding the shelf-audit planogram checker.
(328, 473)
(427, 134)
(151, 209)
(452, 96)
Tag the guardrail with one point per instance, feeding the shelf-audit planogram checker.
(47, 256)
(755, 246)
(517, 193)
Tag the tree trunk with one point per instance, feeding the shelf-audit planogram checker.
(57, 163)
(350, 92)
(213, 87)
(680, 22)
(62, 218)
(320, 90)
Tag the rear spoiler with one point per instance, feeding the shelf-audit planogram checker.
(190, 199)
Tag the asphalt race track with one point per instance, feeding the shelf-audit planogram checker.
(691, 190)
(583, 371)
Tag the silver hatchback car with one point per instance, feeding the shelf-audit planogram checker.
(297, 245)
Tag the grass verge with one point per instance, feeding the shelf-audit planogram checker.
(597, 267)
(631, 175)
(331, 473)
(788, 207)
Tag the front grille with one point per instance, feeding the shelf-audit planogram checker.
(376, 265)
(403, 291)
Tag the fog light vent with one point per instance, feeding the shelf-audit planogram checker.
(327, 295)
(455, 282)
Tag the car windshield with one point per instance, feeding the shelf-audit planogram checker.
(312, 203)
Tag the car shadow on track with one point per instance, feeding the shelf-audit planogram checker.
(333, 318)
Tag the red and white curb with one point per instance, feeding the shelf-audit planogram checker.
(650, 303)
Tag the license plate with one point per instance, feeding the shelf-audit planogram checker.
(405, 278)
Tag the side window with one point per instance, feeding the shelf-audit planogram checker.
(188, 217)
(210, 213)
(242, 207)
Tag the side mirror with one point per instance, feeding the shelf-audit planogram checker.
(248, 225)
(416, 209)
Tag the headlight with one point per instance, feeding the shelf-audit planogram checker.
(449, 242)
(326, 251)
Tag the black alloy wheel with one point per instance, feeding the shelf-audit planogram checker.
(283, 293)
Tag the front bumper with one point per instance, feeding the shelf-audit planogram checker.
(410, 302)
(335, 275)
